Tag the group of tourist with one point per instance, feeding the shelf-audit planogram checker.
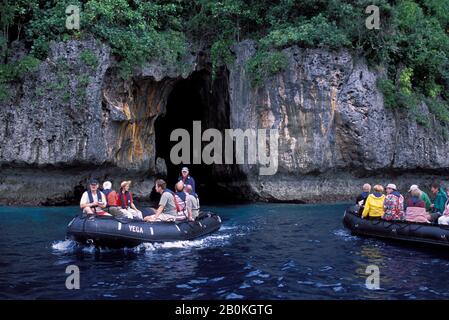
(108, 201)
(183, 203)
(418, 207)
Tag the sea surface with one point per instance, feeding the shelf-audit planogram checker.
(262, 251)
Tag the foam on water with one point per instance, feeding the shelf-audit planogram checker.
(233, 295)
(214, 240)
(70, 246)
(224, 228)
(210, 241)
(64, 246)
(345, 235)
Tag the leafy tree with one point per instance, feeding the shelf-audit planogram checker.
(412, 44)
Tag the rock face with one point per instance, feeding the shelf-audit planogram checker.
(74, 118)
(335, 132)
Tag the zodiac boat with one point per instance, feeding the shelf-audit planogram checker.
(107, 231)
(397, 230)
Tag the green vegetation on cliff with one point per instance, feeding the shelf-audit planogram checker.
(411, 46)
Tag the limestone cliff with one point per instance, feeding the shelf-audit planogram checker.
(72, 120)
(335, 132)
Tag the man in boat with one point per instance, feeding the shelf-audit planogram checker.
(112, 206)
(186, 178)
(184, 211)
(167, 210)
(424, 197)
(93, 200)
(126, 203)
(361, 199)
(444, 219)
(439, 201)
(193, 202)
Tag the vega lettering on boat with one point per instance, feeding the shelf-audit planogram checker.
(135, 229)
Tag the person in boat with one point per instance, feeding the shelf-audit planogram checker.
(424, 197)
(181, 199)
(193, 202)
(112, 206)
(374, 204)
(444, 219)
(361, 198)
(167, 210)
(126, 203)
(439, 201)
(366, 189)
(186, 178)
(93, 201)
(416, 208)
(394, 204)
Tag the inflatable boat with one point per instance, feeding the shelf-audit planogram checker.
(107, 231)
(396, 230)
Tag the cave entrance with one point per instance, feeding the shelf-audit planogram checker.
(186, 103)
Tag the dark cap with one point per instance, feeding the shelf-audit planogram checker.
(93, 181)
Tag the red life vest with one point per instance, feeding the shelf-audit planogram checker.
(178, 208)
(125, 199)
(111, 199)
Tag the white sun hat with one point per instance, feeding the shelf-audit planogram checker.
(392, 186)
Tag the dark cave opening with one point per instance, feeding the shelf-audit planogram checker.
(196, 98)
(184, 105)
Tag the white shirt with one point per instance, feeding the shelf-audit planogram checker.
(85, 198)
(193, 203)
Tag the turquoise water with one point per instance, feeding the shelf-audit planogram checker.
(263, 251)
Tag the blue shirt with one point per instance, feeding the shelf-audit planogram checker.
(188, 180)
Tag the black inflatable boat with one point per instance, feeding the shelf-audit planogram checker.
(123, 232)
(397, 230)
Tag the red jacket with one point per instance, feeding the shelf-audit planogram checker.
(112, 199)
(127, 202)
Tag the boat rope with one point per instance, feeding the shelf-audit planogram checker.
(418, 226)
(404, 226)
(387, 224)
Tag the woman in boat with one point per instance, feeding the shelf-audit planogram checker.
(416, 208)
(374, 204)
(394, 204)
(126, 203)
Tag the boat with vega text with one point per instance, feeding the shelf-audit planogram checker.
(107, 231)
